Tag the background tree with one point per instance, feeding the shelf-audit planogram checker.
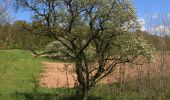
(96, 34)
(4, 18)
(24, 39)
(13, 36)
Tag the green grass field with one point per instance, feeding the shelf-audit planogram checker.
(17, 69)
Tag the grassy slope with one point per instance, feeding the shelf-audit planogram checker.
(16, 71)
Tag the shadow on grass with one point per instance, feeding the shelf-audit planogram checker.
(50, 96)
(37, 96)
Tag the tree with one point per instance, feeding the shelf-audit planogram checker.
(4, 19)
(24, 39)
(3, 12)
(96, 34)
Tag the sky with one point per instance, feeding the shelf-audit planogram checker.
(149, 12)
(151, 6)
(143, 8)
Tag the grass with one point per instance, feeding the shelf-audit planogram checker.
(16, 71)
(18, 67)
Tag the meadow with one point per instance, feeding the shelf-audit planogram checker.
(17, 69)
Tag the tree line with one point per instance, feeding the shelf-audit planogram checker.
(154, 40)
(13, 36)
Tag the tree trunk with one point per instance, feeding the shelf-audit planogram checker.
(82, 72)
(85, 94)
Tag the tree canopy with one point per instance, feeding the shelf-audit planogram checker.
(96, 34)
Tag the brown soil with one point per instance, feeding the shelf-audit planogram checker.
(54, 74)
(57, 75)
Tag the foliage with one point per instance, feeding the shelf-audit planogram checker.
(95, 34)
(15, 36)
(3, 12)
(154, 40)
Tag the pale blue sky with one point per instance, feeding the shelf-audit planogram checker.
(151, 6)
(142, 7)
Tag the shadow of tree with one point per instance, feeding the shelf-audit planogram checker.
(50, 96)
(37, 96)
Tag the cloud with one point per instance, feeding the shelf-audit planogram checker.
(161, 30)
(168, 15)
(155, 16)
(142, 24)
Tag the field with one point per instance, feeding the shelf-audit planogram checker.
(17, 69)
(21, 73)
